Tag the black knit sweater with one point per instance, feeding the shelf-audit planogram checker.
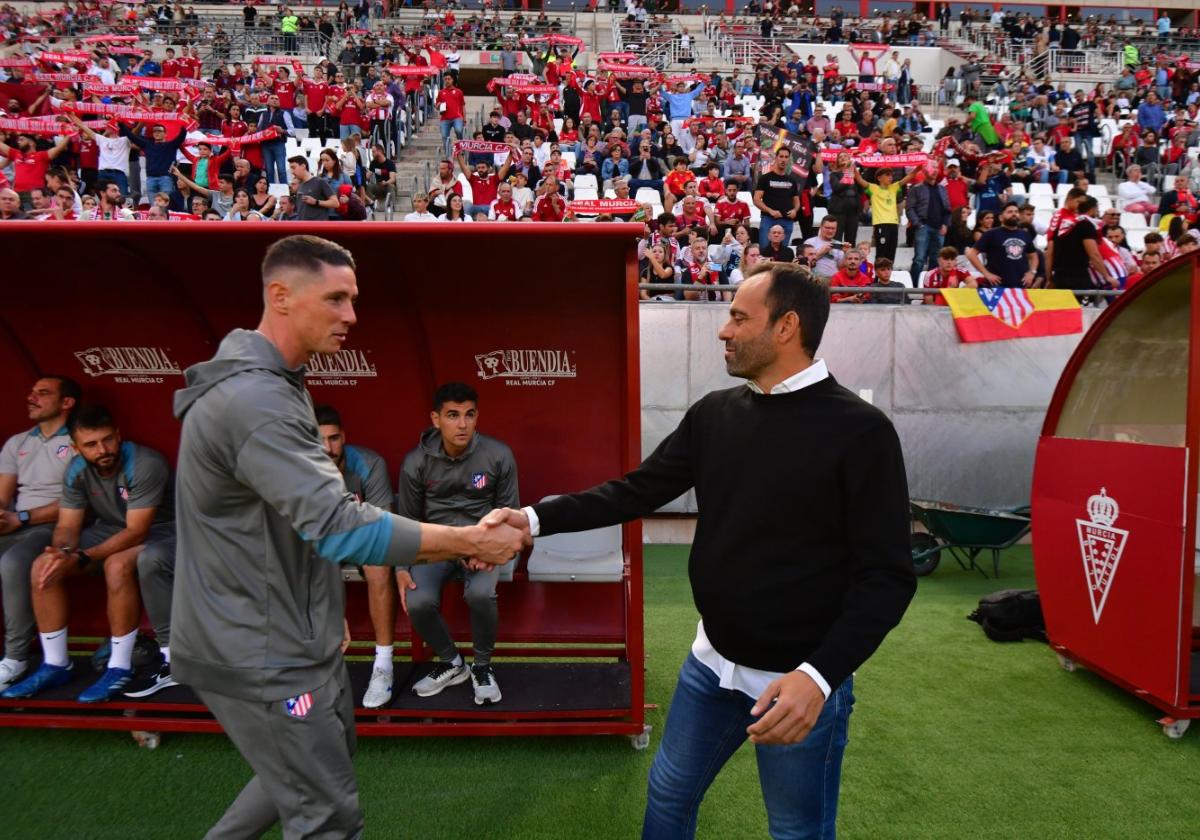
(802, 549)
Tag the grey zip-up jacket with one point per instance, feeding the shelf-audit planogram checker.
(264, 518)
(457, 491)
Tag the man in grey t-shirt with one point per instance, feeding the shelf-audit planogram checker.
(314, 197)
(128, 491)
(32, 464)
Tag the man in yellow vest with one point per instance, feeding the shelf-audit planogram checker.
(289, 25)
(1132, 58)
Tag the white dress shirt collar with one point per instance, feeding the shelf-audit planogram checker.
(811, 375)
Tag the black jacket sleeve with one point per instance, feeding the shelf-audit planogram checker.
(882, 582)
(665, 475)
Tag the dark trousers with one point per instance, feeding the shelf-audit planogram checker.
(847, 222)
(885, 241)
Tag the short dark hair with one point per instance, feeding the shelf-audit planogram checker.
(92, 416)
(305, 252)
(948, 253)
(794, 289)
(299, 160)
(1088, 203)
(67, 387)
(327, 415)
(1075, 192)
(883, 263)
(457, 392)
(1008, 204)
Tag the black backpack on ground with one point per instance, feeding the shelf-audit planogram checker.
(1011, 615)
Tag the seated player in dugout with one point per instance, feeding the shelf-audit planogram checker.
(126, 492)
(455, 476)
(32, 463)
(366, 476)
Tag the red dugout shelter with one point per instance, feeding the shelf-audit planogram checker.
(552, 352)
(1114, 497)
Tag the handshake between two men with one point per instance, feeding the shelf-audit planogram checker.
(501, 528)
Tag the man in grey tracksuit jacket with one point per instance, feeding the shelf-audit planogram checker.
(257, 627)
(263, 520)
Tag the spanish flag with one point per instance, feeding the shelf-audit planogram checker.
(995, 314)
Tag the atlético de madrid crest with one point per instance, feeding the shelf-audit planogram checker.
(1101, 545)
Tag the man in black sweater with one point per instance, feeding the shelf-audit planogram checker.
(799, 568)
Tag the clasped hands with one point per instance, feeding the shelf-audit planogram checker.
(502, 525)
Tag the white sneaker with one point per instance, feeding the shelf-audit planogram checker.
(443, 675)
(379, 689)
(10, 673)
(483, 680)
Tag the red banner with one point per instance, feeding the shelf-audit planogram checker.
(125, 51)
(111, 39)
(172, 85)
(869, 86)
(110, 90)
(553, 40)
(244, 140)
(617, 57)
(875, 161)
(536, 90)
(411, 70)
(65, 57)
(684, 78)
(869, 47)
(483, 146)
(36, 125)
(279, 59)
(125, 113)
(19, 63)
(628, 71)
(603, 205)
(70, 78)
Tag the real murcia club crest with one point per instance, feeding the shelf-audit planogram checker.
(1101, 545)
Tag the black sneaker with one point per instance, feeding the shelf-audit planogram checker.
(155, 683)
(483, 681)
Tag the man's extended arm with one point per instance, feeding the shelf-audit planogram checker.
(284, 464)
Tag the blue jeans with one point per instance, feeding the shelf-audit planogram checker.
(705, 726)
(768, 222)
(1086, 152)
(445, 126)
(160, 183)
(119, 178)
(926, 243)
(275, 162)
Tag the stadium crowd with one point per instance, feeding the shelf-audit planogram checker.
(789, 162)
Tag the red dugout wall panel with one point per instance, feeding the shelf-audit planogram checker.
(540, 319)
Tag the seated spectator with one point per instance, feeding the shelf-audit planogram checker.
(126, 492)
(736, 168)
(694, 217)
(947, 275)
(646, 171)
(240, 208)
(484, 181)
(504, 209)
(881, 275)
(522, 194)
(674, 183)
(111, 206)
(751, 256)
(1179, 201)
(1041, 164)
(730, 212)
(849, 275)
(695, 268)
(827, 250)
(350, 207)
(442, 187)
(712, 187)
(420, 211)
(657, 269)
(549, 206)
(456, 210)
(1149, 263)
(10, 206)
(776, 250)
(615, 166)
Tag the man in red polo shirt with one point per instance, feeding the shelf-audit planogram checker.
(850, 275)
(451, 105)
(171, 67)
(284, 88)
(550, 206)
(30, 165)
(315, 92)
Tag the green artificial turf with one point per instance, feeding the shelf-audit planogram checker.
(954, 737)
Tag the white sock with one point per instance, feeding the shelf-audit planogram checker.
(166, 652)
(383, 657)
(457, 661)
(122, 651)
(12, 663)
(54, 648)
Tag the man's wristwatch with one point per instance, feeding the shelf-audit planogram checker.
(23, 517)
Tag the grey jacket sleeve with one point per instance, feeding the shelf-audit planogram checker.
(283, 463)
(507, 494)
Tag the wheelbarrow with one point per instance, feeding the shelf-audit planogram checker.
(965, 533)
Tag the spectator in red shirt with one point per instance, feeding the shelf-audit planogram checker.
(673, 184)
(947, 275)
(712, 187)
(730, 211)
(29, 164)
(284, 88)
(550, 206)
(484, 181)
(206, 167)
(957, 188)
(451, 104)
(849, 275)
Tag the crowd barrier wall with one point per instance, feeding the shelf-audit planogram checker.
(968, 415)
